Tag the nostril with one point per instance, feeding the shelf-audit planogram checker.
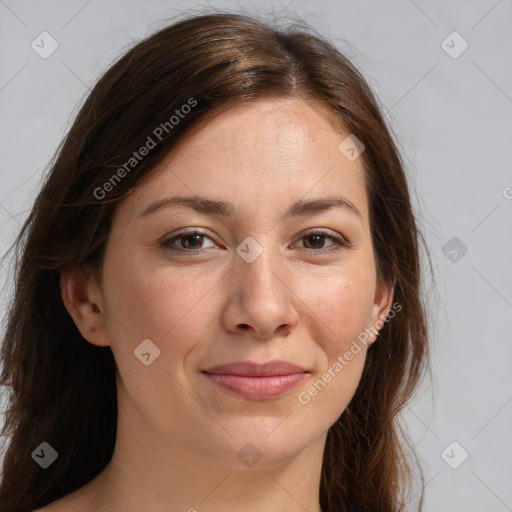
(286, 329)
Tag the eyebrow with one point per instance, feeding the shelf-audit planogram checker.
(220, 208)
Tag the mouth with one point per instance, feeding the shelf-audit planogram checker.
(255, 381)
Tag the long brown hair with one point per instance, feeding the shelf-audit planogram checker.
(62, 389)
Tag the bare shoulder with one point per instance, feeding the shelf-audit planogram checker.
(74, 502)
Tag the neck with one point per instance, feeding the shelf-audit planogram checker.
(150, 473)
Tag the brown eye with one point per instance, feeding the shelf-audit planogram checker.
(190, 242)
(314, 242)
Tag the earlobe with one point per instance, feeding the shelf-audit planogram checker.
(81, 298)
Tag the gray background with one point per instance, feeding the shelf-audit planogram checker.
(453, 120)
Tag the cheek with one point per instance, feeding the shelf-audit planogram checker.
(341, 307)
(338, 314)
(169, 309)
(329, 393)
(147, 303)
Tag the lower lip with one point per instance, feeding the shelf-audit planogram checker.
(257, 388)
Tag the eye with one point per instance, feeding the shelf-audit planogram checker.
(189, 239)
(192, 239)
(316, 238)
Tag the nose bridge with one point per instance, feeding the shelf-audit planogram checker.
(257, 265)
(261, 291)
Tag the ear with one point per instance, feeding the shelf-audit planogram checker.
(83, 300)
(382, 304)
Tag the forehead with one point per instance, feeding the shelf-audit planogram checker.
(278, 127)
(265, 153)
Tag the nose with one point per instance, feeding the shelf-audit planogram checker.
(261, 298)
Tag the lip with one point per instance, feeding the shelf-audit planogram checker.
(256, 381)
(251, 369)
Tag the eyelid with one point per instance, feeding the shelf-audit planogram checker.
(167, 240)
(338, 239)
(324, 231)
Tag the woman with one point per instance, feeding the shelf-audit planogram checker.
(217, 301)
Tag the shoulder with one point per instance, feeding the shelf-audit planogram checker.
(71, 503)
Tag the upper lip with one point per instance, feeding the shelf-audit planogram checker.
(251, 369)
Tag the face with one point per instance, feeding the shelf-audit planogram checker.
(185, 289)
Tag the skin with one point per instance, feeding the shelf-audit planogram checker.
(178, 433)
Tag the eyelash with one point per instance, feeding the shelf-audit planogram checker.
(340, 242)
